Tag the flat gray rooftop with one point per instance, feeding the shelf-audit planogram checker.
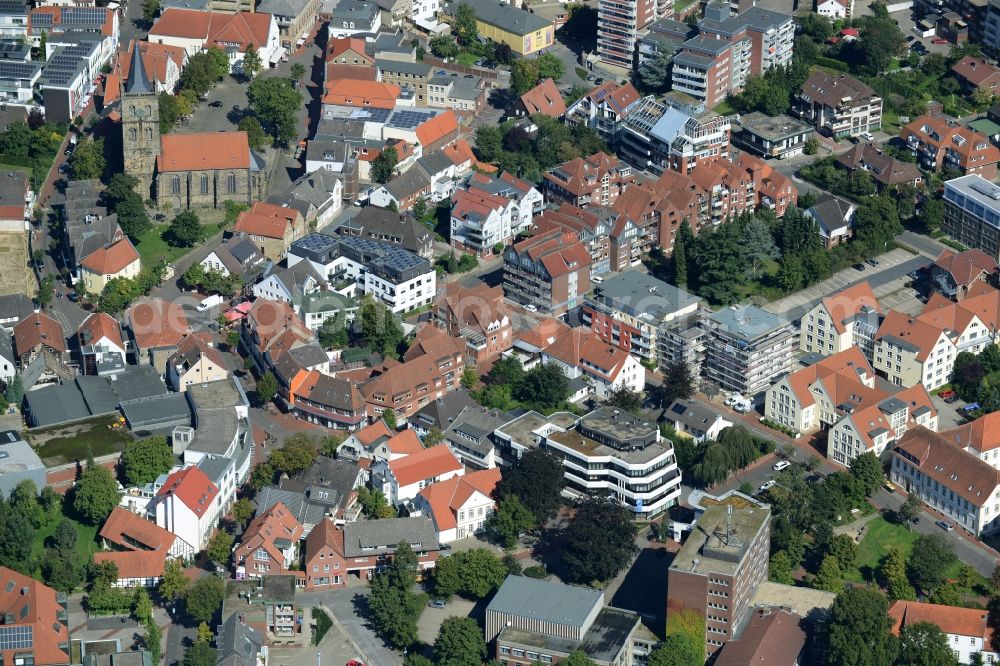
(773, 128)
(710, 549)
(223, 393)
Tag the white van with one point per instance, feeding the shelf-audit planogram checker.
(780, 465)
(210, 302)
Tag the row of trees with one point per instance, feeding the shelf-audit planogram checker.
(710, 462)
(212, 281)
(120, 291)
(34, 144)
(513, 149)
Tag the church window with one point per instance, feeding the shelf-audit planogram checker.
(131, 109)
(204, 183)
(132, 134)
(149, 111)
(231, 183)
(149, 134)
(175, 185)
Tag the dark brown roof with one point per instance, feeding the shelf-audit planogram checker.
(957, 470)
(774, 637)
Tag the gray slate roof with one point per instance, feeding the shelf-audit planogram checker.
(505, 16)
(238, 643)
(545, 601)
(15, 307)
(374, 537)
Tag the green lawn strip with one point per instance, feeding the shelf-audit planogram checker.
(99, 436)
(86, 543)
(152, 247)
(467, 59)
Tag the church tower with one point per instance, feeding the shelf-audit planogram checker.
(140, 123)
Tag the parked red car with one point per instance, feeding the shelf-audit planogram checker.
(948, 396)
(939, 41)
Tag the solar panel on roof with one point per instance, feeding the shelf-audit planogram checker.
(17, 637)
(678, 408)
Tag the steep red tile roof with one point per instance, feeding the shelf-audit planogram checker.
(445, 498)
(339, 46)
(192, 487)
(265, 530)
(111, 260)
(135, 563)
(325, 535)
(155, 59)
(911, 330)
(434, 130)
(191, 348)
(97, 326)
(214, 28)
(972, 149)
(156, 322)
(335, 71)
(951, 619)
(847, 303)
(128, 530)
(369, 434)
(32, 604)
(977, 72)
(38, 329)
(983, 434)
(545, 99)
(425, 464)
(964, 267)
(361, 94)
(405, 443)
(267, 220)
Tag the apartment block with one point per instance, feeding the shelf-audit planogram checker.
(838, 105)
(939, 141)
(596, 180)
(720, 566)
(603, 109)
(628, 310)
(746, 348)
(849, 318)
(618, 25)
(972, 213)
(549, 272)
(592, 229)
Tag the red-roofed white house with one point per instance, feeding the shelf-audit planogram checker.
(271, 228)
(102, 347)
(967, 630)
(233, 33)
(188, 505)
(480, 221)
(401, 479)
(268, 545)
(461, 505)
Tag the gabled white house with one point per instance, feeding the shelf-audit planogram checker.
(102, 346)
(402, 479)
(461, 505)
(188, 506)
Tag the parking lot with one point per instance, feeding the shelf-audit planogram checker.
(886, 278)
(430, 620)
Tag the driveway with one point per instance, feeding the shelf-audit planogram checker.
(430, 620)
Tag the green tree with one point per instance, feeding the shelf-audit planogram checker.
(45, 289)
(877, 222)
(812, 146)
(779, 569)
(626, 399)
(204, 598)
(536, 479)
(15, 390)
(389, 417)
(911, 508)
(132, 217)
(153, 639)
(758, 244)
(24, 500)
(523, 76)
(544, 387)
(930, 558)
(204, 633)
(149, 10)
(867, 469)
(924, 644)
(87, 162)
(65, 538)
(185, 230)
(489, 139)
(599, 541)
(256, 136)
(298, 71)
(144, 460)
(200, 654)
(550, 67)
(393, 611)
(95, 494)
(374, 504)
(829, 577)
(174, 583)
(459, 643)
(678, 382)
(60, 571)
(443, 46)
(220, 548)
(275, 103)
(470, 378)
(243, 511)
(932, 214)
(252, 63)
(654, 72)
(844, 550)
(384, 166)
(892, 572)
(858, 630)
(170, 111)
(946, 595)
(447, 574)
(267, 388)
(677, 650)
(511, 519)
(465, 29)
(380, 328)
(482, 573)
(117, 294)
(678, 259)
(142, 605)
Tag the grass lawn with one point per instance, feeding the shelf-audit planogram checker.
(152, 247)
(466, 59)
(883, 535)
(86, 543)
(63, 444)
(723, 108)
(12, 167)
